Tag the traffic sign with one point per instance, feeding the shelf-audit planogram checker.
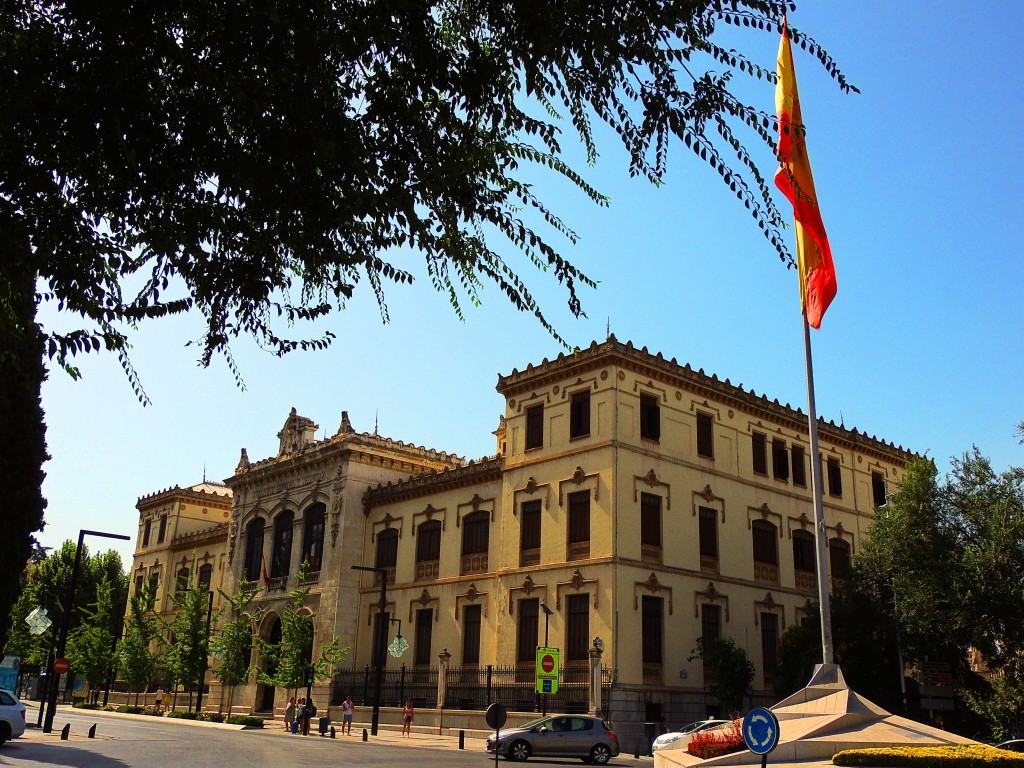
(761, 731)
(547, 670)
(60, 666)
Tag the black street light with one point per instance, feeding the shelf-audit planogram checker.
(65, 624)
(379, 641)
(547, 615)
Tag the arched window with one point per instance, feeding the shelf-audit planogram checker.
(475, 532)
(803, 551)
(181, 581)
(313, 536)
(840, 559)
(282, 552)
(253, 549)
(428, 549)
(206, 576)
(387, 553)
(766, 550)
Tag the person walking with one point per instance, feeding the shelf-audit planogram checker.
(289, 714)
(348, 709)
(159, 702)
(407, 715)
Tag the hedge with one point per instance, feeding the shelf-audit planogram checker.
(953, 756)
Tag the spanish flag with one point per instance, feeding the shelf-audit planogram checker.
(814, 257)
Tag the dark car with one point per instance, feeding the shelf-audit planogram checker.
(581, 736)
(1014, 745)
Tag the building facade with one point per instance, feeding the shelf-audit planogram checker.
(640, 502)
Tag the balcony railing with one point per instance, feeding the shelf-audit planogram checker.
(650, 552)
(391, 577)
(312, 578)
(806, 581)
(766, 573)
(475, 563)
(708, 564)
(529, 557)
(427, 569)
(277, 583)
(578, 550)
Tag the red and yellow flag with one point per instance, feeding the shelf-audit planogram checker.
(814, 257)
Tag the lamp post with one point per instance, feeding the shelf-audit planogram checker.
(378, 641)
(547, 615)
(65, 624)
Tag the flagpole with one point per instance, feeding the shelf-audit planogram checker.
(820, 534)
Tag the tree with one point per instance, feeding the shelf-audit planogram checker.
(135, 658)
(255, 162)
(731, 671)
(91, 646)
(186, 641)
(289, 659)
(232, 648)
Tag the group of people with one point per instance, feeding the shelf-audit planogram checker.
(298, 715)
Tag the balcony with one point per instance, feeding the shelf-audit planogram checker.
(766, 573)
(277, 584)
(391, 577)
(311, 579)
(653, 673)
(708, 564)
(806, 581)
(475, 563)
(529, 557)
(650, 552)
(578, 550)
(427, 569)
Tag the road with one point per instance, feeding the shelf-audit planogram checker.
(124, 741)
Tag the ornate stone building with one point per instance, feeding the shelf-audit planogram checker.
(641, 502)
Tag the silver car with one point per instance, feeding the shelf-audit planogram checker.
(12, 716)
(581, 736)
(681, 739)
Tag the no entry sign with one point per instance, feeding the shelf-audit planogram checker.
(547, 670)
(61, 666)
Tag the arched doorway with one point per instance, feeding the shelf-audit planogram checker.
(265, 698)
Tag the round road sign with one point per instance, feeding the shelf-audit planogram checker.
(761, 731)
(547, 663)
(496, 715)
(60, 666)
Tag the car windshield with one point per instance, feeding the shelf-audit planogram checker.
(535, 723)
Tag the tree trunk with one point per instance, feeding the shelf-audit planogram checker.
(23, 447)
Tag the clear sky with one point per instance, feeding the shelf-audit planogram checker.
(921, 182)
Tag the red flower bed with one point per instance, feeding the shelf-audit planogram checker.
(717, 741)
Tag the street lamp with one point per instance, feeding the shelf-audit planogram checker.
(548, 613)
(65, 624)
(378, 641)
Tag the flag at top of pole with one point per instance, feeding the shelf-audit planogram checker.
(794, 179)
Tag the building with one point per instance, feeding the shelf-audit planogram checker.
(640, 502)
(175, 525)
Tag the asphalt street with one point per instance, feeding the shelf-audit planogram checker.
(127, 741)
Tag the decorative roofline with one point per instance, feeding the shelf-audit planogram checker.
(612, 351)
(218, 532)
(177, 491)
(487, 468)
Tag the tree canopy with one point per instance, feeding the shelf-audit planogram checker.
(255, 161)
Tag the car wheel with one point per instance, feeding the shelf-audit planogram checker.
(5, 731)
(600, 754)
(519, 750)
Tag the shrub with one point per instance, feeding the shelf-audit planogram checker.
(183, 715)
(718, 741)
(211, 717)
(246, 720)
(130, 709)
(85, 705)
(954, 756)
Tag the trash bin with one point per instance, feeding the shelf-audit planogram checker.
(650, 734)
(325, 724)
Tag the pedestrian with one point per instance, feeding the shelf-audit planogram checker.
(663, 726)
(300, 712)
(307, 715)
(289, 714)
(348, 709)
(159, 701)
(407, 713)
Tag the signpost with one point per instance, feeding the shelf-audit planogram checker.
(761, 732)
(547, 670)
(61, 666)
(496, 717)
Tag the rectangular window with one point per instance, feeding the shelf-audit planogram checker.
(535, 426)
(708, 522)
(145, 532)
(471, 634)
(578, 529)
(769, 647)
(799, 471)
(529, 533)
(835, 479)
(163, 529)
(651, 641)
(780, 460)
(577, 640)
(765, 549)
(650, 418)
(804, 558)
(650, 526)
(710, 625)
(139, 581)
(878, 489)
(579, 414)
(705, 435)
(424, 628)
(526, 631)
(759, 446)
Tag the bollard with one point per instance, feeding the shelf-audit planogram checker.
(332, 731)
(65, 732)
(636, 751)
(364, 734)
(462, 739)
(92, 731)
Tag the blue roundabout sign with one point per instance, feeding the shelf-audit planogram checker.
(761, 731)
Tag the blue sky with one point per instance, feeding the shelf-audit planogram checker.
(920, 182)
